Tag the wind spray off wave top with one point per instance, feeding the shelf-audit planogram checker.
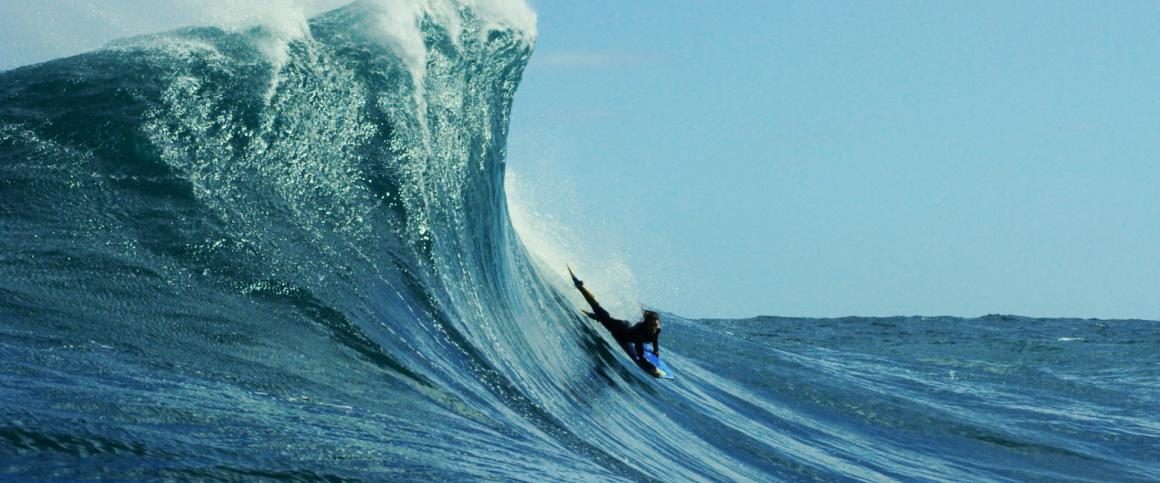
(284, 251)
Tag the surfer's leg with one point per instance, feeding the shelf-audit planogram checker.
(598, 312)
(616, 327)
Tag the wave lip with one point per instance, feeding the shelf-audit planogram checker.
(283, 251)
(267, 230)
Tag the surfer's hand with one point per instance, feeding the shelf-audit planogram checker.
(657, 373)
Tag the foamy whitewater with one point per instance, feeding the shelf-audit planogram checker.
(285, 252)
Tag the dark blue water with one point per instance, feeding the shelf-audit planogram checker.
(241, 254)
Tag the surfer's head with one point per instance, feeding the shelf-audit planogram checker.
(652, 320)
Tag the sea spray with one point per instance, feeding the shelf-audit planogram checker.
(272, 252)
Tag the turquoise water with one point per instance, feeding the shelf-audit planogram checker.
(235, 254)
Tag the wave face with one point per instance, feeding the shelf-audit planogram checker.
(286, 253)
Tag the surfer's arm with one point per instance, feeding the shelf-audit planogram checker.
(640, 359)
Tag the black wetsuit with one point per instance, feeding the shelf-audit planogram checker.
(626, 333)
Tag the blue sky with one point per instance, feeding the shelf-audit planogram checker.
(731, 159)
(853, 158)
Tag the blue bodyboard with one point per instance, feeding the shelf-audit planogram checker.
(650, 356)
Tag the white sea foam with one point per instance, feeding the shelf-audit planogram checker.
(89, 25)
(553, 244)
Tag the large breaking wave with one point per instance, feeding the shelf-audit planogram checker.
(286, 253)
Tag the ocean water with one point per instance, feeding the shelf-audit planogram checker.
(260, 253)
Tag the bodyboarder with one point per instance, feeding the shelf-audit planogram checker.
(626, 334)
